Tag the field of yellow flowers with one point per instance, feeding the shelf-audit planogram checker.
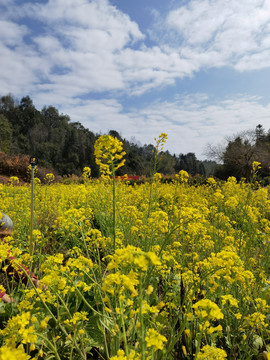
(128, 272)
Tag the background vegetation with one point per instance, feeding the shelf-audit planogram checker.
(65, 147)
(68, 146)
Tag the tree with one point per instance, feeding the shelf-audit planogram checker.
(7, 104)
(189, 163)
(166, 163)
(28, 115)
(5, 134)
(239, 156)
(116, 134)
(239, 153)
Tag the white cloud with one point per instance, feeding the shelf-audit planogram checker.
(79, 43)
(91, 46)
(11, 33)
(21, 67)
(232, 33)
(83, 14)
(190, 121)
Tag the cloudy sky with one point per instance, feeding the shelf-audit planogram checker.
(198, 70)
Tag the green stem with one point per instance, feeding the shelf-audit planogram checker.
(151, 183)
(85, 245)
(124, 329)
(32, 243)
(83, 299)
(32, 211)
(167, 237)
(114, 208)
(141, 321)
(49, 311)
(53, 348)
(64, 304)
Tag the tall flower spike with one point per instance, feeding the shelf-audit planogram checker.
(163, 137)
(109, 154)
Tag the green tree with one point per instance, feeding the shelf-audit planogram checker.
(5, 134)
(189, 163)
(166, 163)
(28, 115)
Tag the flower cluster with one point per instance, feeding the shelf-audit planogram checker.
(109, 154)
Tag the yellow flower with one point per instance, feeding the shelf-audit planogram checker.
(118, 280)
(230, 299)
(162, 138)
(44, 323)
(256, 320)
(109, 154)
(13, 353)
(86, 173)
(49, 178)
(211, 353)
(40, 353)
(238, 316)
(213, 329)
(13, 180)
(157, 177)
(208, 310)
(149, 290)
(256, 165)
(120, 356)
(133, 255)
(211, 182)
(183, 176)
(155, 340)
(77, 317)
(19, 329)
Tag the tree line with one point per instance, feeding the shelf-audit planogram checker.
(68, 146)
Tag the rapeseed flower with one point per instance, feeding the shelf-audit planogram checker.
(19, 330)
(121, 356)
(200, 253)
(155, 340)
(13, 353)
(211, 353)
(109, 154)
(207, 310)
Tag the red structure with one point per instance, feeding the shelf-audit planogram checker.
(129, 177)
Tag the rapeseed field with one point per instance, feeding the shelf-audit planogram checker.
(135, 272)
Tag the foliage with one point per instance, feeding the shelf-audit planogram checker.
(5, 134)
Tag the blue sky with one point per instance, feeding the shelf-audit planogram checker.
(198, 70)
